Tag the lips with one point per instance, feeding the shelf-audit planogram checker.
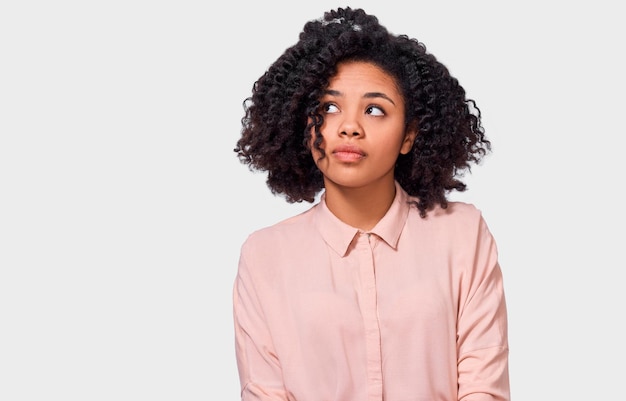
(348, 153)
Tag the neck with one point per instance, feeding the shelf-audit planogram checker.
(360, 207)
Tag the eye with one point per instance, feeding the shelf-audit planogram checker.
(330, 108)
(375, 111)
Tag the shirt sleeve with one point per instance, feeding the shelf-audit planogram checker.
(482, 326)
(259, 369)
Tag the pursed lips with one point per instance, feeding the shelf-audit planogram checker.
(348, 153)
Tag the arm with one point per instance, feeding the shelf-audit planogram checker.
(260, 373)
(482, 342)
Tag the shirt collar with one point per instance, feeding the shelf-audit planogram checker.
(338, 235)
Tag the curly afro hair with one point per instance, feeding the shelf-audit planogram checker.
(284, 110)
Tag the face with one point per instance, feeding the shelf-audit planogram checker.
(364, 128)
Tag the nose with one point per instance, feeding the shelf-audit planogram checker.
(353, 133)
(350, 126)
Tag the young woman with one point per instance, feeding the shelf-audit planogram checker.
(383, 289)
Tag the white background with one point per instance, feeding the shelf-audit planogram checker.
(123, 206)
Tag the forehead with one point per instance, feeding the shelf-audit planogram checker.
(362, 75)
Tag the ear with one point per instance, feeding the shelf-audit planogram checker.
(409, 138)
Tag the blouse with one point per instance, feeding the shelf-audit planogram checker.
(413, 310)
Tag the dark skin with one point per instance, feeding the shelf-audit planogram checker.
(363, 135)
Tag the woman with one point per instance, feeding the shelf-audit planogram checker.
(383, 289)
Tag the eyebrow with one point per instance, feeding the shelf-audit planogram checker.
(367, 95)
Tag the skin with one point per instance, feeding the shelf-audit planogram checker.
(363, 134)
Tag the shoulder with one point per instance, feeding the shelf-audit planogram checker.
(458, 232)
(458, 212)
(272, 251)
(281, 233)
(455, 213)
(458, 219)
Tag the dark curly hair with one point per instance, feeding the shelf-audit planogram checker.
(284, 110)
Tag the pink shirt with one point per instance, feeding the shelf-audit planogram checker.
(413, 310)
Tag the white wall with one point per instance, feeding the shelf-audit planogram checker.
(123, 206)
